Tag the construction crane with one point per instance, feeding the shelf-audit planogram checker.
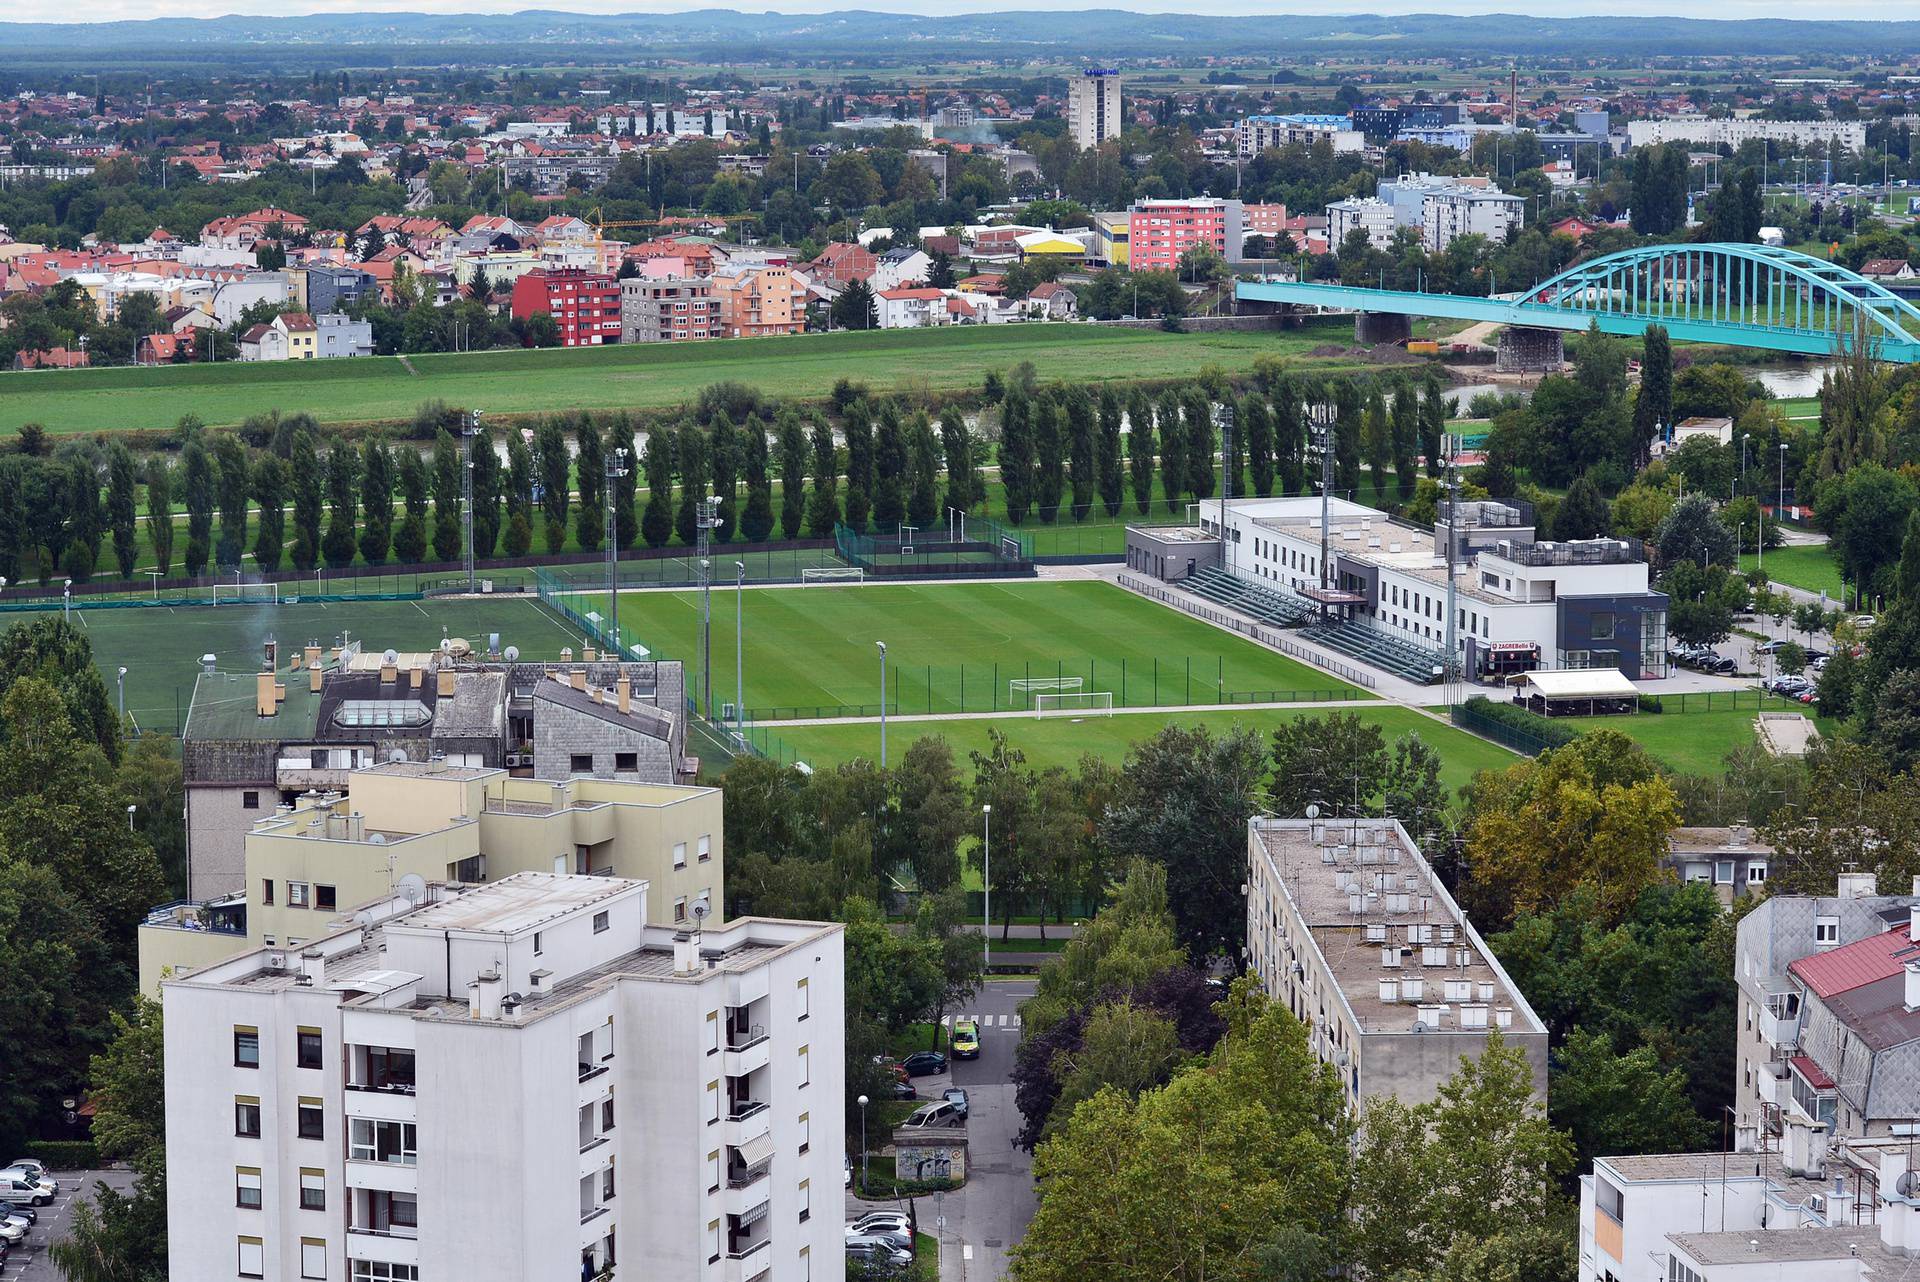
(601, 225)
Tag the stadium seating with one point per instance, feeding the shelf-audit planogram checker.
(1282, 609)
(1383, 650)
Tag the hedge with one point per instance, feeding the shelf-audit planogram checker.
(65, 1155)
(1553, 734)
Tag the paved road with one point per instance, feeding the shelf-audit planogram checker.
(29, 1259)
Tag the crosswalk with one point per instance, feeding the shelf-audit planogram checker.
(984, 1021)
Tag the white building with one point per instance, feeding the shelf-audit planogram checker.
(1704, 131)
(1256, 134)
(1446, 215)
(522, 1081)
(1371, 215)
(1093, 106)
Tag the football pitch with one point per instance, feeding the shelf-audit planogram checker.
(811, 652)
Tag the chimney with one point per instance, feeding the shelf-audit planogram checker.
(387, 673)
(623, 691)
(313, 676)
(577, 678)
(356, 826)
(443, 678)
(559, 796)
(686, 953)
(1855, 885)
(272, 654)
(484, 994)
(311, 654)
(415, 675)
(313, 967)
(336, 826)
(594, 694)
(566, 654)
(267, 694)
(1912, 996)
(588, 654)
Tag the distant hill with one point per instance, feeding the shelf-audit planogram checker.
(729, 35)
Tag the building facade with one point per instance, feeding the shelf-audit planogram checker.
(585, 305)
(520, 1081)
(1348, 926)
(1093, 106)
(1256, 134)
(1708, 132)
(1372, 216)
(1447, 215)
(668, 310)
(757, 301)
(1159, 231)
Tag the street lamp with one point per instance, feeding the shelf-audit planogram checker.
(469, 428)
(616, 470)
(131, 807)
(121, 679)
(739, 645)
(66, 600)
(986, 886)
(862, 1101)
(883, 703)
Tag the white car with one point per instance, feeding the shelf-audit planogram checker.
(13, 1230)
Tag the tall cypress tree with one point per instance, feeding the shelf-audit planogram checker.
(123, 507)
(1347, 427)
(1017, 452)
(1111, 466)
(1653, 406)
(270, 490)
(889, 472)
(1404, 424)
(590, 467)
(923, 496)
(956, 444)
(235, 493)
(793, 474)
(858, 430)
(82, 551)
(823, 510)
(1140, 449)
(626, 514)
(1201, 442)
(486, 494)
(410, 540)
(1172, 440)
(517, 540)
(376, 500)
(447, 485)
(1082, 450)
(159, 515)
(196, 486)
(1256, 425)
(656, 525)
(723, 464)
(1049, 456)
(309, 486)
(1376, 441)
(756, 518)
(1289, 437)
(555, 470)
(338, 545)
(1433, 425)
(690, 454)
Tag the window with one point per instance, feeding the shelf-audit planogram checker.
(606, 1183)
(717, 1167)
(266, 890)
(246, 1190)
(806, 1131)
(680, 908)
(1678, 1272)
(606, 1115)
(371, 1141)
(537, 944)
(1602, 625)
(250, 801)
(580, 763)
(713, 1102)
(806, 1072)
(1826, 931)
(297, 894)
(600, 923)
(313, 1189)
(1756, 873)
(679, 854)
(380, 1271)
(1723, 873)
(713, 1032)
(626, 761)
(323, 898)
(246, 1047)
(309, 1048)
(704, 847)
(313, 1257)
(804, 996)
(246, 1117)
(252, 1258)
(806, 1200)
(1610, 1200)
(313, 1120)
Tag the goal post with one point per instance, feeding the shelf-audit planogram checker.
(833, 574)
(246, 594)
(1035, 685)
(1089, 703)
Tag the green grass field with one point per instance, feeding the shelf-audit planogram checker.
(1694, 743)
(954, 647)
(640, 376)
(161, 648)
(1050, 741)
(1810, 568)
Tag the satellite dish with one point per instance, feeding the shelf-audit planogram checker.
(377, 839)
(412, 888)
(446, 646)
(1908, 1185)
(700, 910)
(513, 654)
(398, 754)
(390, 658)
(1313, 811)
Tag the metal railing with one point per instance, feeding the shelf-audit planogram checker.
(1267, 636)
(747, 1037)
(741, 1110)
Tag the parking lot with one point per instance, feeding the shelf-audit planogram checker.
(29, 1258)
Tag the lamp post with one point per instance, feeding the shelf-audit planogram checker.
(862, 1101)
(66, 600)
(469, 428)
(986, 886)
(121, 679)
(131, 807)
(616, 469)
(883, 703)
(739, 644)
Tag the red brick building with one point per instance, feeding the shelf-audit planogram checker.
(585, 305)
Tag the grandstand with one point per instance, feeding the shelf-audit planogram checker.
(1269, 605)
(1423, 664)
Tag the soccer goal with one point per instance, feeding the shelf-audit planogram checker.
(246, 594)
(1090, 703)
(1036, 685)
(833, 574)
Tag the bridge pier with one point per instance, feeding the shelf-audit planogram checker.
(1529, 351)
(1370, 329)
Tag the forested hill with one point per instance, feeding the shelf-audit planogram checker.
(908, 38)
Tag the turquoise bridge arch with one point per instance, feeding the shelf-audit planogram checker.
(1742, 295)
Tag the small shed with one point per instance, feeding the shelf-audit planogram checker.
(930, 1153)
(1578, 692)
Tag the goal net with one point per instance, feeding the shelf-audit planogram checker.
(1092, 703)
(833, 574)
(1035, 685)
(246, 594)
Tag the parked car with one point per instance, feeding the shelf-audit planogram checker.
(1718, 664)
(1808, 696)
(20, 1208)
(17, 1188)
(958, 1098)
(1864, 621)
(935, 1115)
(13, 1230)
(904, 1090)
(877, 1255)
(848, 1180)
(924, 1063)
(966, 1039)
(899, 1238)
(896, 1220)
(33, 1166)
(1786, 685)
(892, 1066)
(1768, 647)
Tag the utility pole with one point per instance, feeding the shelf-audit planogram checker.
(1226, 475)
(469, 428)
(616, 467)
(1449, 448)
(708, 518)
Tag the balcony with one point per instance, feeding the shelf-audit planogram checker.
(746, 1049)
(381, 1104)
(748, 1260)
(590, 1071)
(385, 1246)
(747, 1120)
(1778, 1031)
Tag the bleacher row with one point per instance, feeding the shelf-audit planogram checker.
(1281, 609)
(1383, 650)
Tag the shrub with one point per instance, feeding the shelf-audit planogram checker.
(1551, 733)
(65, 1155)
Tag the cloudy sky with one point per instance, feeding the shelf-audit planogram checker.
(59, 11)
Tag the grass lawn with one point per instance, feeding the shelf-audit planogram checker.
(638, 376)
(1062, 740)
(161, 648)
(1810, 568)
(1695, 743)
(954, 647)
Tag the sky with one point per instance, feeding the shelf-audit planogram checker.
(103, 10)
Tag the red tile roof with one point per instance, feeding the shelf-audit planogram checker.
(1862, 962)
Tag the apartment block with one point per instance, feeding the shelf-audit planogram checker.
(524, 1080)
(1704, 131)
(1445, 216)
(1348, 926)
(757, 300)
(1256, 134)
(307, 860)
(1373, 216)
(1094, 106)
(1159, 231)
(584, 304)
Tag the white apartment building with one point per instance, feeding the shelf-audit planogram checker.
(1093, 106)
(1369, 214)
(1348, 926)
(523, 1081)
(1703, 131)
(1256, 134)
(1446, 215)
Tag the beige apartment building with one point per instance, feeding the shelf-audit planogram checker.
(403, 824)
(757, 301)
